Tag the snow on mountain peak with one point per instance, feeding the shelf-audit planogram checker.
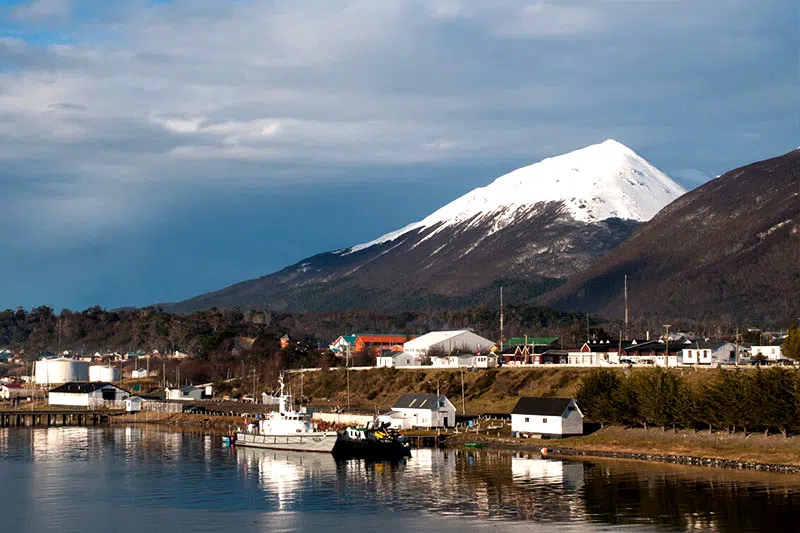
(598, 182)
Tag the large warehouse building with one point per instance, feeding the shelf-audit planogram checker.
(447, 342)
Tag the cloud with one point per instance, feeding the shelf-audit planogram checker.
(141, 96)
(43, 10)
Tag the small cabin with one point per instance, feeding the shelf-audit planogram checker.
(133, 404)
(546, 417)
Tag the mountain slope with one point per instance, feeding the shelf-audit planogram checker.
(534, 227)
(730, 248)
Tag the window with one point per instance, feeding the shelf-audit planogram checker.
(544, 421)
(527, 419)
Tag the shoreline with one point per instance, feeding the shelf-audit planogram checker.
(732, 452)
(717, 450)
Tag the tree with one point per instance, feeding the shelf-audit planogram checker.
(791, 346)
(599, 397)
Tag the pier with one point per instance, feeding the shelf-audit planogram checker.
(426, 440)
(55, 418)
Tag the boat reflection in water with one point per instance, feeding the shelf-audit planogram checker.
(286, 475)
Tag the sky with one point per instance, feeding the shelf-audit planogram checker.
(151, 150)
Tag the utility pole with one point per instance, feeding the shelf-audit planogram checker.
(463, 403)
(587, 328)
(666, 351)
(501, 318)
(626, 306)
(347, 374)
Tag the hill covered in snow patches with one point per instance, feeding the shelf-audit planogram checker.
(595, 183)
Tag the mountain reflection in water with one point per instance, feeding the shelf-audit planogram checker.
(134, 479)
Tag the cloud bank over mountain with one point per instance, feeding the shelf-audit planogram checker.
(118, 117)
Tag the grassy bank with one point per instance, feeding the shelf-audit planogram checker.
(214, 425)
(719, 445)
(485, 391)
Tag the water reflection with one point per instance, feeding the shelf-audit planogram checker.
(58, 475)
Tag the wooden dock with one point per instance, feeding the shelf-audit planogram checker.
(55, 418)
(426, 440)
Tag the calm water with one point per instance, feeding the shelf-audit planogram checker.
(145, 480)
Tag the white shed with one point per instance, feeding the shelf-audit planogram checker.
(448, 342)
(93, 395)
(550, 417)
(133, 404)
(139, 373)
(425, 410)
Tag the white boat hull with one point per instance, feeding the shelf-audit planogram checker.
(300, 442)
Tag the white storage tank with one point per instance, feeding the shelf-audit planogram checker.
(60, 370)
(103, 373)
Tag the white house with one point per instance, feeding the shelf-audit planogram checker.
(447, 342)
(772, 351)
(139, 373)
(398, 359)
(93, 395)
(550, 417)
(186, 393)
(424, 410)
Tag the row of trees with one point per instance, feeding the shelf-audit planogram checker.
(760, 400)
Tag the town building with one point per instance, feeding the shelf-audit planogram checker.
(595, 353)
(139, 373)
(448, 343)
(186, 393)
(285, 341)
(375, 343)
(483, 360)
(546, 417)
(91, 395)
(771, 351)
(653, 352)
(424, 411)
(398, 360)
(523, 350)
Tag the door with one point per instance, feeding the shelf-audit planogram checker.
(445, 422)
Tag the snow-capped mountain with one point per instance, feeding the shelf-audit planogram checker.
(534, 227)
(606, 180)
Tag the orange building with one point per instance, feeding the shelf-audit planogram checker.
(380, 343)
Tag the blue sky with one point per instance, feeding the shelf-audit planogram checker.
(151, 151)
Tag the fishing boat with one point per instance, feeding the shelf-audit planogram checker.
(473, 445)
(286, 429)
(371, 442)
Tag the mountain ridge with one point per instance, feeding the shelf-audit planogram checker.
(520, 228)
(739, 256)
